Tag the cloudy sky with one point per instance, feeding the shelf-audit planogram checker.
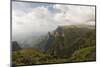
(42, 17)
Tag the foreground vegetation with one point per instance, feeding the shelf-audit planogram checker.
(77, 44)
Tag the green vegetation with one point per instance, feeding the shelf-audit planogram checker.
(28, 56)
(76, 44)
(33, 56)
(84, 54)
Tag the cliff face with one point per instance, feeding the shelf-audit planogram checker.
(59, 32)
(65, 40)
(65, 44)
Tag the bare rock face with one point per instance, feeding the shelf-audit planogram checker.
(68, 39)
(59, 32)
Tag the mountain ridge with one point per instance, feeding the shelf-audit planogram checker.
(65, 44)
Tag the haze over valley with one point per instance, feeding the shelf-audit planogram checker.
(45, 33)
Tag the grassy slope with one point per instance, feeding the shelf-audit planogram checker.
(84, 54)
(33, 56)
(78, 44)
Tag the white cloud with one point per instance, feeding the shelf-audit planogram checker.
(76, 14)
(37, 20)
(41, 19)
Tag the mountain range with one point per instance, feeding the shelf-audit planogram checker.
(71, 43)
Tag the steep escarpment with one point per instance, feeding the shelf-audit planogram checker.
(72, 43)
(68, 39)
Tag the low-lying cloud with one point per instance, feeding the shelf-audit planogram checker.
(35, 17)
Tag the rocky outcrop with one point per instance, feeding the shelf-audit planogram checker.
(15, 46)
